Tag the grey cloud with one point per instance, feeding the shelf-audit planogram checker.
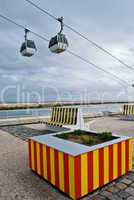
(107, 22)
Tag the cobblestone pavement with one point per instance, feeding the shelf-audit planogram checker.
(121, 189)
(23, 132)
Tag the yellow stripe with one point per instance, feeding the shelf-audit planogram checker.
(61, 171)
(123, 110)
(70, 121)
(38, 157)
(44, 162)
(130, 110)
(115, 161)
(64, 116)
(84, 175)
(32, 155)
(52, 115)
(71, 177)
(123, 158)
(106, 165)
(59, 114)
(130, 154)
(126, 109)
(56, 114)
(74, 113)
(52, 166)
(95, 169)
(133, 110)
(68, 115)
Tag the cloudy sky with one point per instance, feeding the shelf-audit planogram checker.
(46, 76)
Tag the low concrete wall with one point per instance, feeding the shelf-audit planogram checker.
(37, 119)
(19, 121)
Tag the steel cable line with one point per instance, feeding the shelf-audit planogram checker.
(23, 27)
(99, 68)
(121, 81)
(81, 35)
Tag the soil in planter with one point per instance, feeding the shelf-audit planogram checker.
(87, 138)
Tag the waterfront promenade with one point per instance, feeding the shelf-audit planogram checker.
(18, 182)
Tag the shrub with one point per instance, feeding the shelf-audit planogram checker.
(62, 136)
(78, 132)
(88, 140)
(105, 136)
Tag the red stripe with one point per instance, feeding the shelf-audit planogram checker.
(35, 156)
(66, 173)
(101, 167)
(41, 159)
(29, 150)
(56, 161)
(119, 159)
(48, 163)
(127, 155)
(77, 175)
(90, 171)
(110, 163)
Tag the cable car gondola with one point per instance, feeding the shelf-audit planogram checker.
(28, 47)
(59, 42)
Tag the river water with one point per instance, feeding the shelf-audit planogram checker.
(47, 111)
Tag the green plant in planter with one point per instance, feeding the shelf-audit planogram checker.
(78, 132)
(105, 136)
(62, 136)
(87, 140)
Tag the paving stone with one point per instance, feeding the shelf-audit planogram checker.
(130, 190)
(116, 197)
(121, 186)
(113, 189)
(123, 194)
(130, 198)
(91, 196)
(132, 185)
(98, 197)
(106, 194)
(126, 181)
(119, 179)
(131, 177)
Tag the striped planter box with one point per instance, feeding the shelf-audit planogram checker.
(78, 174)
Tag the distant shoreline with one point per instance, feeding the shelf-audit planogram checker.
(15, 106)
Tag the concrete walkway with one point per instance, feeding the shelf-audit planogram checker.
(17, 182)
(113, 124)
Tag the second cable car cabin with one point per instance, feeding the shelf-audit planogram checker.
(59, 42)
(28, 47)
